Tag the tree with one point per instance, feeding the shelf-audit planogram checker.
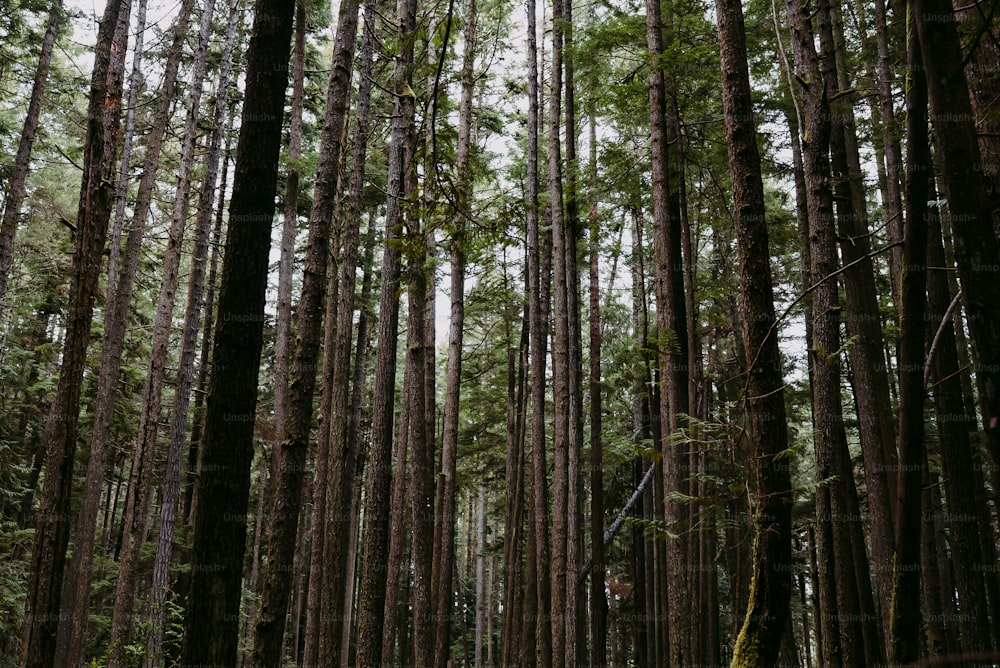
(373, 585)
(211, 619)
(42, 605)
(17, 179)
(770, 590)
(282, 530)
(904, 624)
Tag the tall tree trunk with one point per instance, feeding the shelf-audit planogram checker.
(286, 502)
(17, 179)
(837, 508)
(116, 311)
(76, 589)
(445, 557)
(598, 597)
(204, 364)
(337, 450)
(672, 345)
(537, 631)
(42, 607)
(904, 624)
(767, 615)
(871, 384)
(977, 249)
(289, 228)
(373, 583)
(893, 203)
(139, 496)
(480, 576)
(211, 623)
(421, 443)
(189, 339)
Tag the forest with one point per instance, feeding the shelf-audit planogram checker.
(480, 333)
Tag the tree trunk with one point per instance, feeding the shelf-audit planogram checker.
(767, 616)
(18, 177)
(117, 306)
(537, 630)
(373, 583)
(76, 589)
(904, 624)
(837, 508)
(211, 623)
(286, 502)
(189, 339)
(204, 364)
(139, 496)
(864, 324)
(977, 249)
(42, 617)
(598, 597)
(289, 229)
(445, 549)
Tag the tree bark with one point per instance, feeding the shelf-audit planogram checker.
(905, 621)
(445, 555)
(286, 502)
(139, 495)
(977, 249)
(211, 624)
(76, 589)
(767, 615)
(373, 583)
(42, 607)
(189, 339)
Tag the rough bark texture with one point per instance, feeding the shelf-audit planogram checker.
(977, 249)
(189, 340)
(140, 490)
(337, 449)
(211, 624)
(42, 608)
(445, 557)
(767, 614)
(375, 543)
(76, 590)
(861, 316)
(287, 499)
(905, 622)
(838, 517)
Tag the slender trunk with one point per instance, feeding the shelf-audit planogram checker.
(395, 602)
(17, 179)
(373, 584)
(42, 605)
(287, 494)
(445, 558)
(871, 384)
(480, 576)
(289, 228)
(139, 496)
(189, 337)
(204, 364)
(211, 623)
(904, 624)
(767, 617)
(893, 203)
(598, 598)
(977, 248)
(838, 517)
(337, 456)
(537, 631)
(121, 280)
